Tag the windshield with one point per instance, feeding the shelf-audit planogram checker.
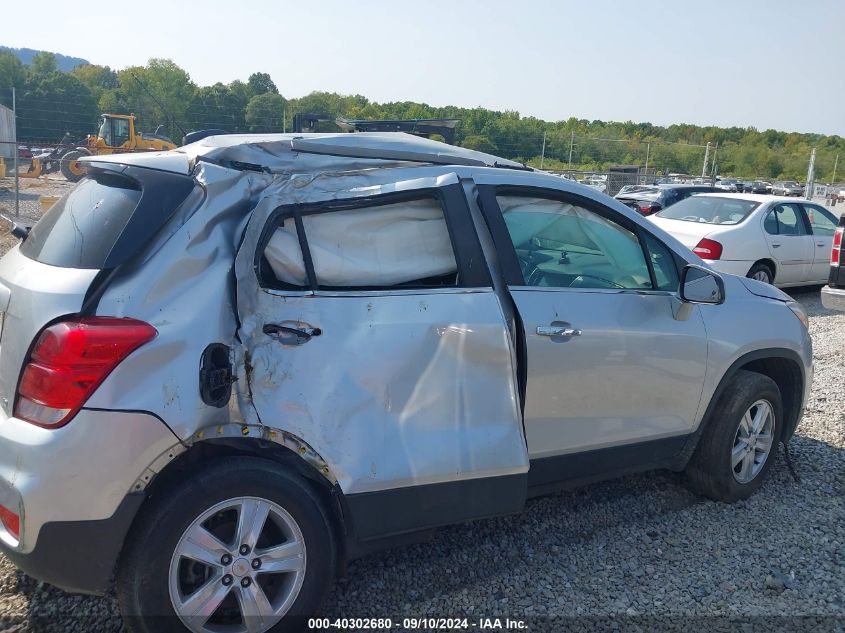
(790, 183)
(710, 210)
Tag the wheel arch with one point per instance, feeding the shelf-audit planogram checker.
(783, 366)
(767, 261)
(181, 463)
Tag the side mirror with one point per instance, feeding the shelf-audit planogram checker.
(699, 285)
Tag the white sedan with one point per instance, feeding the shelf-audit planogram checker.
(778, 240)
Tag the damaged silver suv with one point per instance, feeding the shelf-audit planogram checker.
(227, 369)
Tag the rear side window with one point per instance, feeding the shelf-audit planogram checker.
(80, 230)
(404, 244)
(784, 219)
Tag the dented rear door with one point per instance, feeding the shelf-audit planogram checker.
(405, 388)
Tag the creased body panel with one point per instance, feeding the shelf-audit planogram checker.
(397, 390)
(401, 387)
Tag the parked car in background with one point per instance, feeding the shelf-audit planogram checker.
(282, 372)
(729, 184)
(787, 188)
(771, 239)
(597, 182)
(649, 200)
(632, 188)
(757, 186)
(833, 294)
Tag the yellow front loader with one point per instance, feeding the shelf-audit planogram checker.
(116, 134)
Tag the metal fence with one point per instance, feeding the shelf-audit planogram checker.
(7, 133)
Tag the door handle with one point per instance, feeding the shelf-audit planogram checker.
(820, 244)
(288, 335)
(775, 245)
(557, 330)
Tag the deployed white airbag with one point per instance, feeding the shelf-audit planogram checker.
(376, 246)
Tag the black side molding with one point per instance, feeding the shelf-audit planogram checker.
(387, 513)
(550, 473)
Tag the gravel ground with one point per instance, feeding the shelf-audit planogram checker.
(642, 550)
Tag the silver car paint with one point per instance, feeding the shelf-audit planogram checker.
(191, 274)
(634, 373)
(439, 404)
(37, 294)
(79, 472)
(742, 324)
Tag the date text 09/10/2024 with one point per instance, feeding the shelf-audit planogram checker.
(417, 624)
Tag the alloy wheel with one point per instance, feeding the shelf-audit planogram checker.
(238, 567)
(761, 275)
(753, 441)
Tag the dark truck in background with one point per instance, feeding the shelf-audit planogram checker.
(833, 294)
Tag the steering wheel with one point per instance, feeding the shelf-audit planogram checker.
(610, 284)
(530, 272)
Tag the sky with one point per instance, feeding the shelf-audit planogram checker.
(776, 64)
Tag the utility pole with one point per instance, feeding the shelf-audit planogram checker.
(571, 142)
(647, 152)
(706, 156)
(543, 151)
(713, 169)
(835, 163)
(284, 120)
(15, 150)
(811, 176)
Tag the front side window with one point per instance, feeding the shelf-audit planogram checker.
(821, 220)
(784, 219)
(403, 244)
(562, 245)
(663, 263)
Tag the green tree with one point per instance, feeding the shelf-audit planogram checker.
(158, 93)
(44, 64)
(12, 75)
(260, 83)
(215, 107)
(96, 78)
(264, 112)
(479, 143)
(54, 104)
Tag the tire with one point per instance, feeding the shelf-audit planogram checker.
(760, 270)
(145, 573)
(710, 470)
(71, 169)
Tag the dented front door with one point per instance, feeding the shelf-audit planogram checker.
(392, 387)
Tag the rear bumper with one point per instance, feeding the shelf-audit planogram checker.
(70, 488)
(78, 556)
(833, 298)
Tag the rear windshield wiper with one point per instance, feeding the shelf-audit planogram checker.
(20, 232)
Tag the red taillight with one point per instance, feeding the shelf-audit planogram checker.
(69, 361)
(11, 521)
(646, 209)
(708, 249)
(837, 246)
